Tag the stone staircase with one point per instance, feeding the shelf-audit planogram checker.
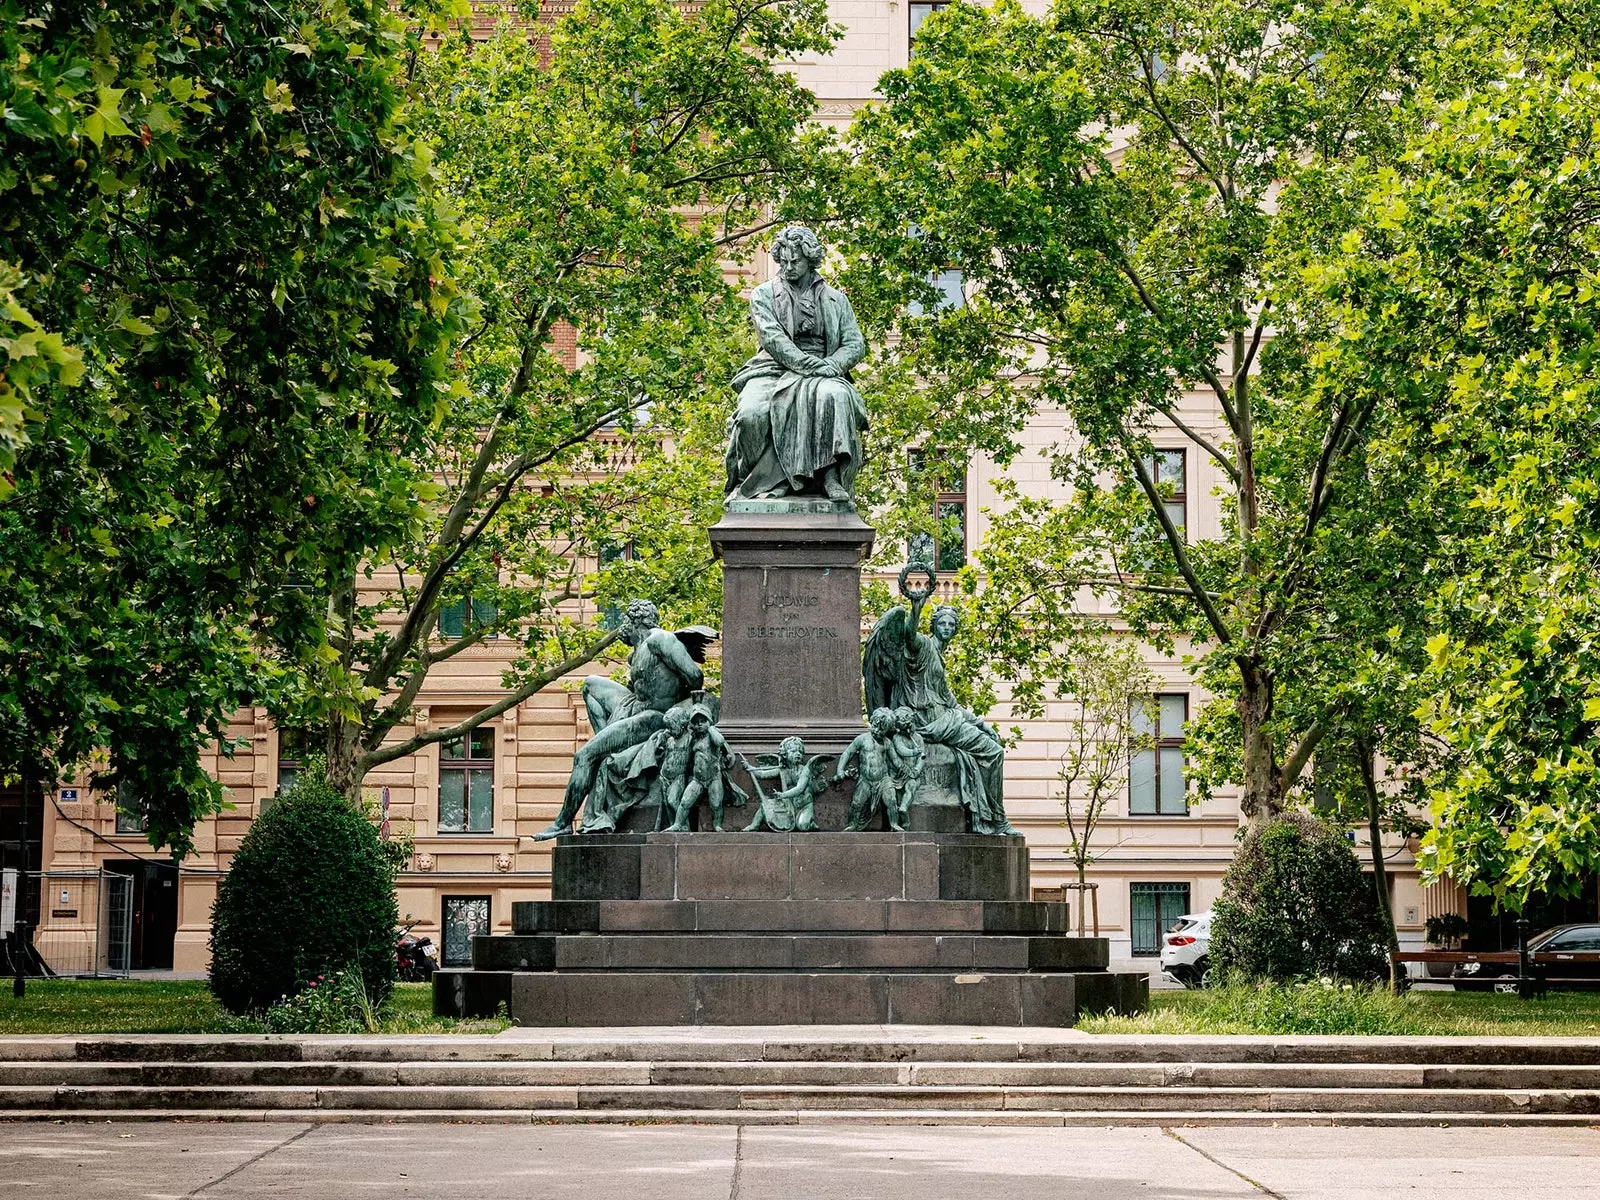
(914, 927)
(917, 1075)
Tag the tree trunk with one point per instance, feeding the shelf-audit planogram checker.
(1380, 873)
(1083, 897)
(344, 770)
(1262, 799)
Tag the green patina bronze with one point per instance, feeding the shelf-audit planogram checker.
(904, 672)
(797, 429)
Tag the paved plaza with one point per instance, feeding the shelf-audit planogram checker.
(155, 1161)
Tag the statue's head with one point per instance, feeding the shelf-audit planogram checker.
(700, 718)
(790, 751)
(798, 252)
(638, 620)
(677, 720)
(882, 721)
(946, 620)
(905, 719)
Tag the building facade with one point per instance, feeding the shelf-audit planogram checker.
(472, 805)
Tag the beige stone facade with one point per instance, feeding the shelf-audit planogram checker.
(1171, 861)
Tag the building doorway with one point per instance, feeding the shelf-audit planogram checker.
(155, 911)
(22, 850)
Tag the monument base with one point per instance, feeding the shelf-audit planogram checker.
(789, 928)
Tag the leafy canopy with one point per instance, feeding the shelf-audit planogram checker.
(227, 303)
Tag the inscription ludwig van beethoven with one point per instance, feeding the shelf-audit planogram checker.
(797, 428)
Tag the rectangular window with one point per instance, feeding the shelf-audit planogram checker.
(1169, 471)
(1154, 908)
(1155, 777)
(291, 757)
(466, 783)
(951, 286)
(129, 818)
(918, 12)
(946, 548)
(464, 918)
(461, 617)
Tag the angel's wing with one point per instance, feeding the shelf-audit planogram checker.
(883, 657)
(695, 639)
(821, 768)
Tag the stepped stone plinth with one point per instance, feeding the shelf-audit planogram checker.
(789, 929)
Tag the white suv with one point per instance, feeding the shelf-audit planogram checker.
(1185, 951)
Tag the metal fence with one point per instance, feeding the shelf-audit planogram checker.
(85, 922)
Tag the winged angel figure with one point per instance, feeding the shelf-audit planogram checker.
(663, 673)
(800, 781)
(903, 668)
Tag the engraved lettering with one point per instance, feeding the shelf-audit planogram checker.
(793, 632)
(789, 600)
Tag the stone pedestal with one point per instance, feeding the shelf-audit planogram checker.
(789, 928)
(791, 624)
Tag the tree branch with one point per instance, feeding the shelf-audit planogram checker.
(1179, 551)
(1199, 439)
(384, 754)
(1297, 760)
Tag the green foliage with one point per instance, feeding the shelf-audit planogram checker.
(1129, 188)
(333, 1003)
(1447, 929)
(1294, 905)
(1471, 294)
(310, 891)
(226, 297)
(187, 1006)
(1266, 1008)
(604, 186)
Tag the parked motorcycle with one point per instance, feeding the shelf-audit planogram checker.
(416, 958)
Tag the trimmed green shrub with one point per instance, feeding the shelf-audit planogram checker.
(311, 893)
(1294, 905)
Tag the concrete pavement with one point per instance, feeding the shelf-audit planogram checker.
(156, 1161)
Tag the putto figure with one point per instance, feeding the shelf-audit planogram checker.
(905, 669)
(800, 782)
(709, 762)
(870, 755)
(908, 759)
(663, 673)
(797, 428)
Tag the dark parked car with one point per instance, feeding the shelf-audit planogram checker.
(1566, 956)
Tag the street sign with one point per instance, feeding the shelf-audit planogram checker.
(69, 795)
(8, 901)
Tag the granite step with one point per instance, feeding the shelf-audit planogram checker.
(776, 1045)
(793, 1117)
(846, 1098)
(580, 998)
(1019, 917)
(782, 1074)
(788, 952)
(795, 1076)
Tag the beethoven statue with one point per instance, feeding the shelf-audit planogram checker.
(905, 669)
(797, 428)
(663, 673)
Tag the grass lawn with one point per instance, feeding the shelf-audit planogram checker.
(182, 1006)
(1317, 1009)
(146, 1006)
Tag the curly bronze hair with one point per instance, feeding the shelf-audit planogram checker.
(642, 612)
(801, 240)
